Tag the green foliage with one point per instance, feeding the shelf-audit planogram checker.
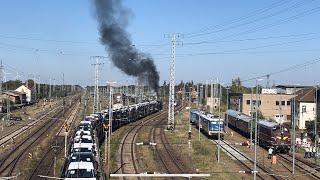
(237, 87)
(310, 125)
(11, 85)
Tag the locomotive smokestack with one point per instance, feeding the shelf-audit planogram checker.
(112, 18)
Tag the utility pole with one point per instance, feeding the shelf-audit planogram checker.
(63, 88)
(256, 132)
(63, 94)
(206, 92)
(227, 106)
(54, 88)
(8, 101)
(219, 135)
(35, 87)
(251, 122)
(50, 90)
(315, 126)
(198, 94)
(201, 95)
(171, 122)
(1, 76)
(96, 65)
(109, 126)
(39, 86)
(268, 81)
(212, 97)
(294, 133)
(1, 81)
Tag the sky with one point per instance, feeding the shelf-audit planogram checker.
(218, 39)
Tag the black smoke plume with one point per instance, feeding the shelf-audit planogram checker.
(112, 18)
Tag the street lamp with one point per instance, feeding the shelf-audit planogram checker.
(109, 126)
(294, 131)
(219, 122)
(227, 106)
(256, 130)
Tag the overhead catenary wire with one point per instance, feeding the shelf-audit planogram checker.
(237, 51)
(70, 41)
(290, 68)
(250, 39)
(276, 23)
(232, 27)
(252, 48)
(249, 15)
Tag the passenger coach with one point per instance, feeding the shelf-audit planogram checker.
(209, 124)
(270, 134)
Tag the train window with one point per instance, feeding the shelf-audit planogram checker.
(275, 128)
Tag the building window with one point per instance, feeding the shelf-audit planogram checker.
(248, 102)
(304, 109)
(277, 103)
(283, 103)
(288, 103)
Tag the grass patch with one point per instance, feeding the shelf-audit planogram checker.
(202, 155)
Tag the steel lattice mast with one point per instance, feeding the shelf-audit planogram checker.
(172, 83)
(96, 65)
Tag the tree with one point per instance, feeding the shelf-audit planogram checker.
(12, 84)
(237, 86)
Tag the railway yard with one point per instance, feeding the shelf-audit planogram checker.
(43, 144)
(143, 90)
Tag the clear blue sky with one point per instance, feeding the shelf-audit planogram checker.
(73, 20)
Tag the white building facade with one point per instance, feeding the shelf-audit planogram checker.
(306, 112)
(27, 91)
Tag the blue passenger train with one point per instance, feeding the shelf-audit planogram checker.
(209, 124)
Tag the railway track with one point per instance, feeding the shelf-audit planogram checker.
(46, 162)
(309, 169)
(19, 131)
(263, 172)
(5, 139)
(127, 150)
(10, 161)
(171, 163)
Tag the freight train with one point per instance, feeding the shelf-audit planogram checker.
(127, 114)
(270, 134)
(83, 160)
(211, 125)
